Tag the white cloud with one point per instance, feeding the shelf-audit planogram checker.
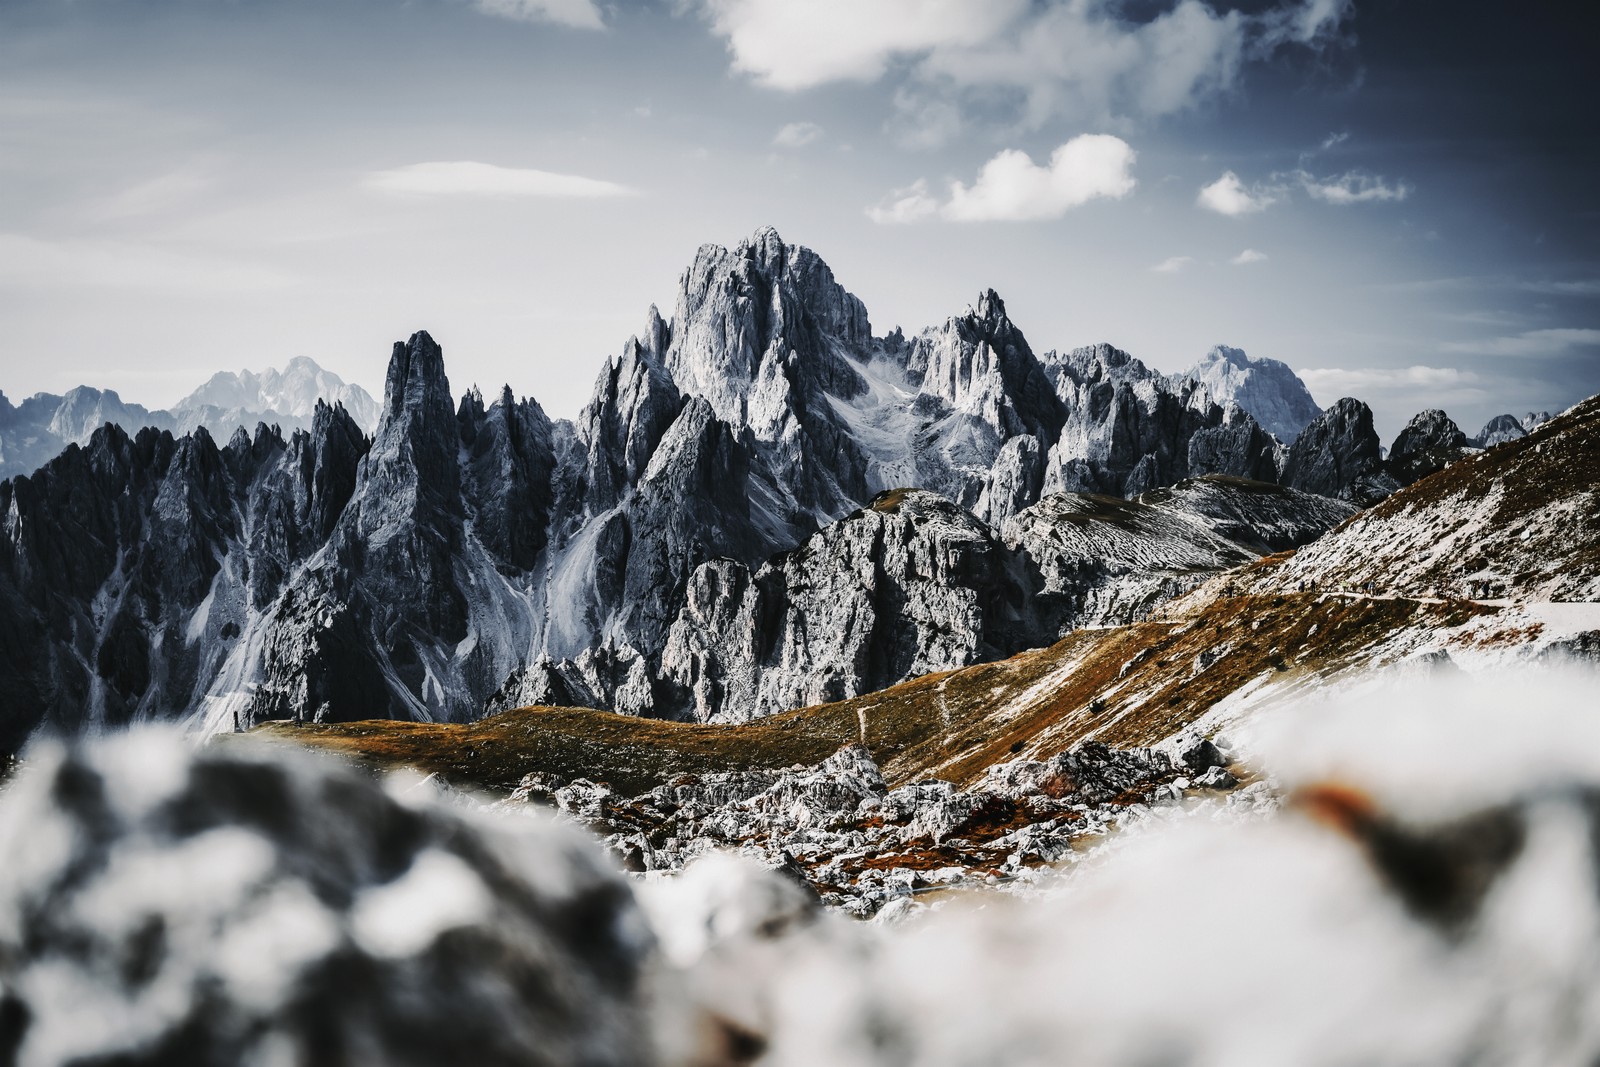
(1353, 187)
(787, 45)
(1353, 381)
(1581, 287)
(1247, 257)
(1085, 60)
(1011, 187)
(797, 135)
(911, 204)
(922, 121)
(579, 14)
(29, 263)
(1229, 196)
(1402, 391)
(1528, 343)
(176, 189)
(1172, 264)
(466, 178)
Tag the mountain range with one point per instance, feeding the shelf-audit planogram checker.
(35, 431)
(762, 504)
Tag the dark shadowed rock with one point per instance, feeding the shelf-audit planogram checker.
(1429, 443)
(1337, 455)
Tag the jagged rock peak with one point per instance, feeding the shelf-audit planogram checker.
(1337, 454)
(416, 377)
(1429, 443)
(990, 309)
(1427, 429)
(1093, 363)
(412, 466)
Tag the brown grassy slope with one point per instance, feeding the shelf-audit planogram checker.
(950, 725)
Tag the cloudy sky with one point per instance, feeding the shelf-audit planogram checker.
(1397, 197)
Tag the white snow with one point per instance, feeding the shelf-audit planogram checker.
(401, 918)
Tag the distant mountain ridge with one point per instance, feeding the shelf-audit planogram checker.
(1268, 389)
(477, 552)
(35, 431)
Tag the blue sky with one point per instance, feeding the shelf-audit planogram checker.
(1395, 197)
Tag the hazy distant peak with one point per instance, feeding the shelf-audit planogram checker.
(291, 393)
(1267, 388)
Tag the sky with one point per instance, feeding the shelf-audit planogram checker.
(1395, 197)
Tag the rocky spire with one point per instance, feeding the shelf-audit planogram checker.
(1335, 452)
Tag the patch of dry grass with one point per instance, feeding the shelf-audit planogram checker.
(1131, 685)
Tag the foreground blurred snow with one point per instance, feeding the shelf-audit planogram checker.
(1428, 896)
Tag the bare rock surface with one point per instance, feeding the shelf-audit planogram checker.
(858, 845)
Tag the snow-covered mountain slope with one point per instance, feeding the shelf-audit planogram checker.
(1516, 520)
(231, 400)
(34, 432)
(1267, 388)
(478, 552)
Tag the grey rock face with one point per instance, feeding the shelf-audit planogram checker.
(1128, 430)
(913, 584)
(245, 906)
(509, 475)
(910, 585)
(1261, 516)
(1337, 455)
(1106, 561)
(1499, 430)
(1268, 389)
(1429, 443)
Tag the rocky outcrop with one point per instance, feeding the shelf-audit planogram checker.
(859, 845)
(1266, 388)
(1128, 430)
(1429, 443)
(1261, 516)
(1338, 455)
(914, 584)
(909, 585)
(245, 906)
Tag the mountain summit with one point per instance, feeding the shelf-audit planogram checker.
(1268, 389)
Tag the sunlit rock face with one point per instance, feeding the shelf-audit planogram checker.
(241, 907)
(1268, 389)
